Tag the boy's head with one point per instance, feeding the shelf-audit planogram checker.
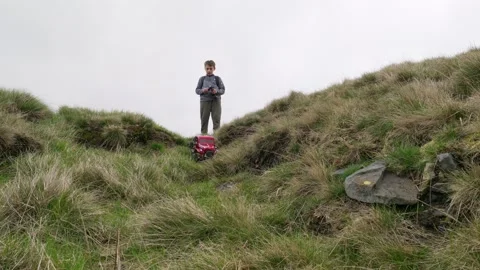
(209, 67)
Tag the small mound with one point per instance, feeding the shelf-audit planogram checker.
(238, 128)
(269, 149)
(14, 143)
(131, 179)
(117, 130)
(32, 109)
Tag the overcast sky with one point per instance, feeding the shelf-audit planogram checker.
(146, 56)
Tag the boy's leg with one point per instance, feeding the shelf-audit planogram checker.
(205, 108)
(216, 114)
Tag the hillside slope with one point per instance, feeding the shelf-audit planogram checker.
(78, 185)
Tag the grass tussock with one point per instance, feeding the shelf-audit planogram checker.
(273, 197)
(117, 130)
(270, 148)
(19, 252)
(459, 250)
(467, 78)
(465, 191)
(238, 128)
(24, 104)
(14, 143)
(131, 178)
(382, 238)
(45, 201)
(316, 178)
(175, 222)
(183, 224)
(293, 100)
(17, 137)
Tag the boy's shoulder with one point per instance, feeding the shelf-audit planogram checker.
(204, 76)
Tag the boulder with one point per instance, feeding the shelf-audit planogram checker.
(446, 162)
(373, 184)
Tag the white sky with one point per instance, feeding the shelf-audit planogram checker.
(146, 56)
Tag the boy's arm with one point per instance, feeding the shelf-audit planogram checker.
(221, 86)
(198, 90)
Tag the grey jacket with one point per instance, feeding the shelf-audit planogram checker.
(207, 82)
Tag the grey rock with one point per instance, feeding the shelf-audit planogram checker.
(446, 162)
(373, 184)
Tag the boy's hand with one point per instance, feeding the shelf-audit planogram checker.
(205, 90)
(214, 91)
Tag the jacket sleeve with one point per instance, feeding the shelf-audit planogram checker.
(198, 90)
(221, 86)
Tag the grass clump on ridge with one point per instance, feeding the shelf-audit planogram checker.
(23, 103)
(467, 78)
(238, 129)
(117, 130)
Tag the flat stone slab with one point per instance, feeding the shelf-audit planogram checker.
(373, 184)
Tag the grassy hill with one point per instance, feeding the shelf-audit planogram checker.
(78, 187)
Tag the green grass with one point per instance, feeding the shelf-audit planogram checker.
(405, 158)
(406, 76)
(367, 79)
(3, 179)
(65, 255)
(467, 79)
(24, 103)
(69, 181)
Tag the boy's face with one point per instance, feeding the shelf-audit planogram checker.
(209, 69)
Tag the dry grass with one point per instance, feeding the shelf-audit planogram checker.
(117, 130)
(24, 104)
(239, 128)
(458, 251)
(174, 223)
(131, 178)
(465, 187)
(41, 194)
(23, 253)
(382, 238)
(16, 137)
(62, 200)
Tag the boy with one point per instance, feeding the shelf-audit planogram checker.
(210, 88)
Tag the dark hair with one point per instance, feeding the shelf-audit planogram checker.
(210, 63)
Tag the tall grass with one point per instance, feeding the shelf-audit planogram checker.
(81, 188)
(23, 103)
